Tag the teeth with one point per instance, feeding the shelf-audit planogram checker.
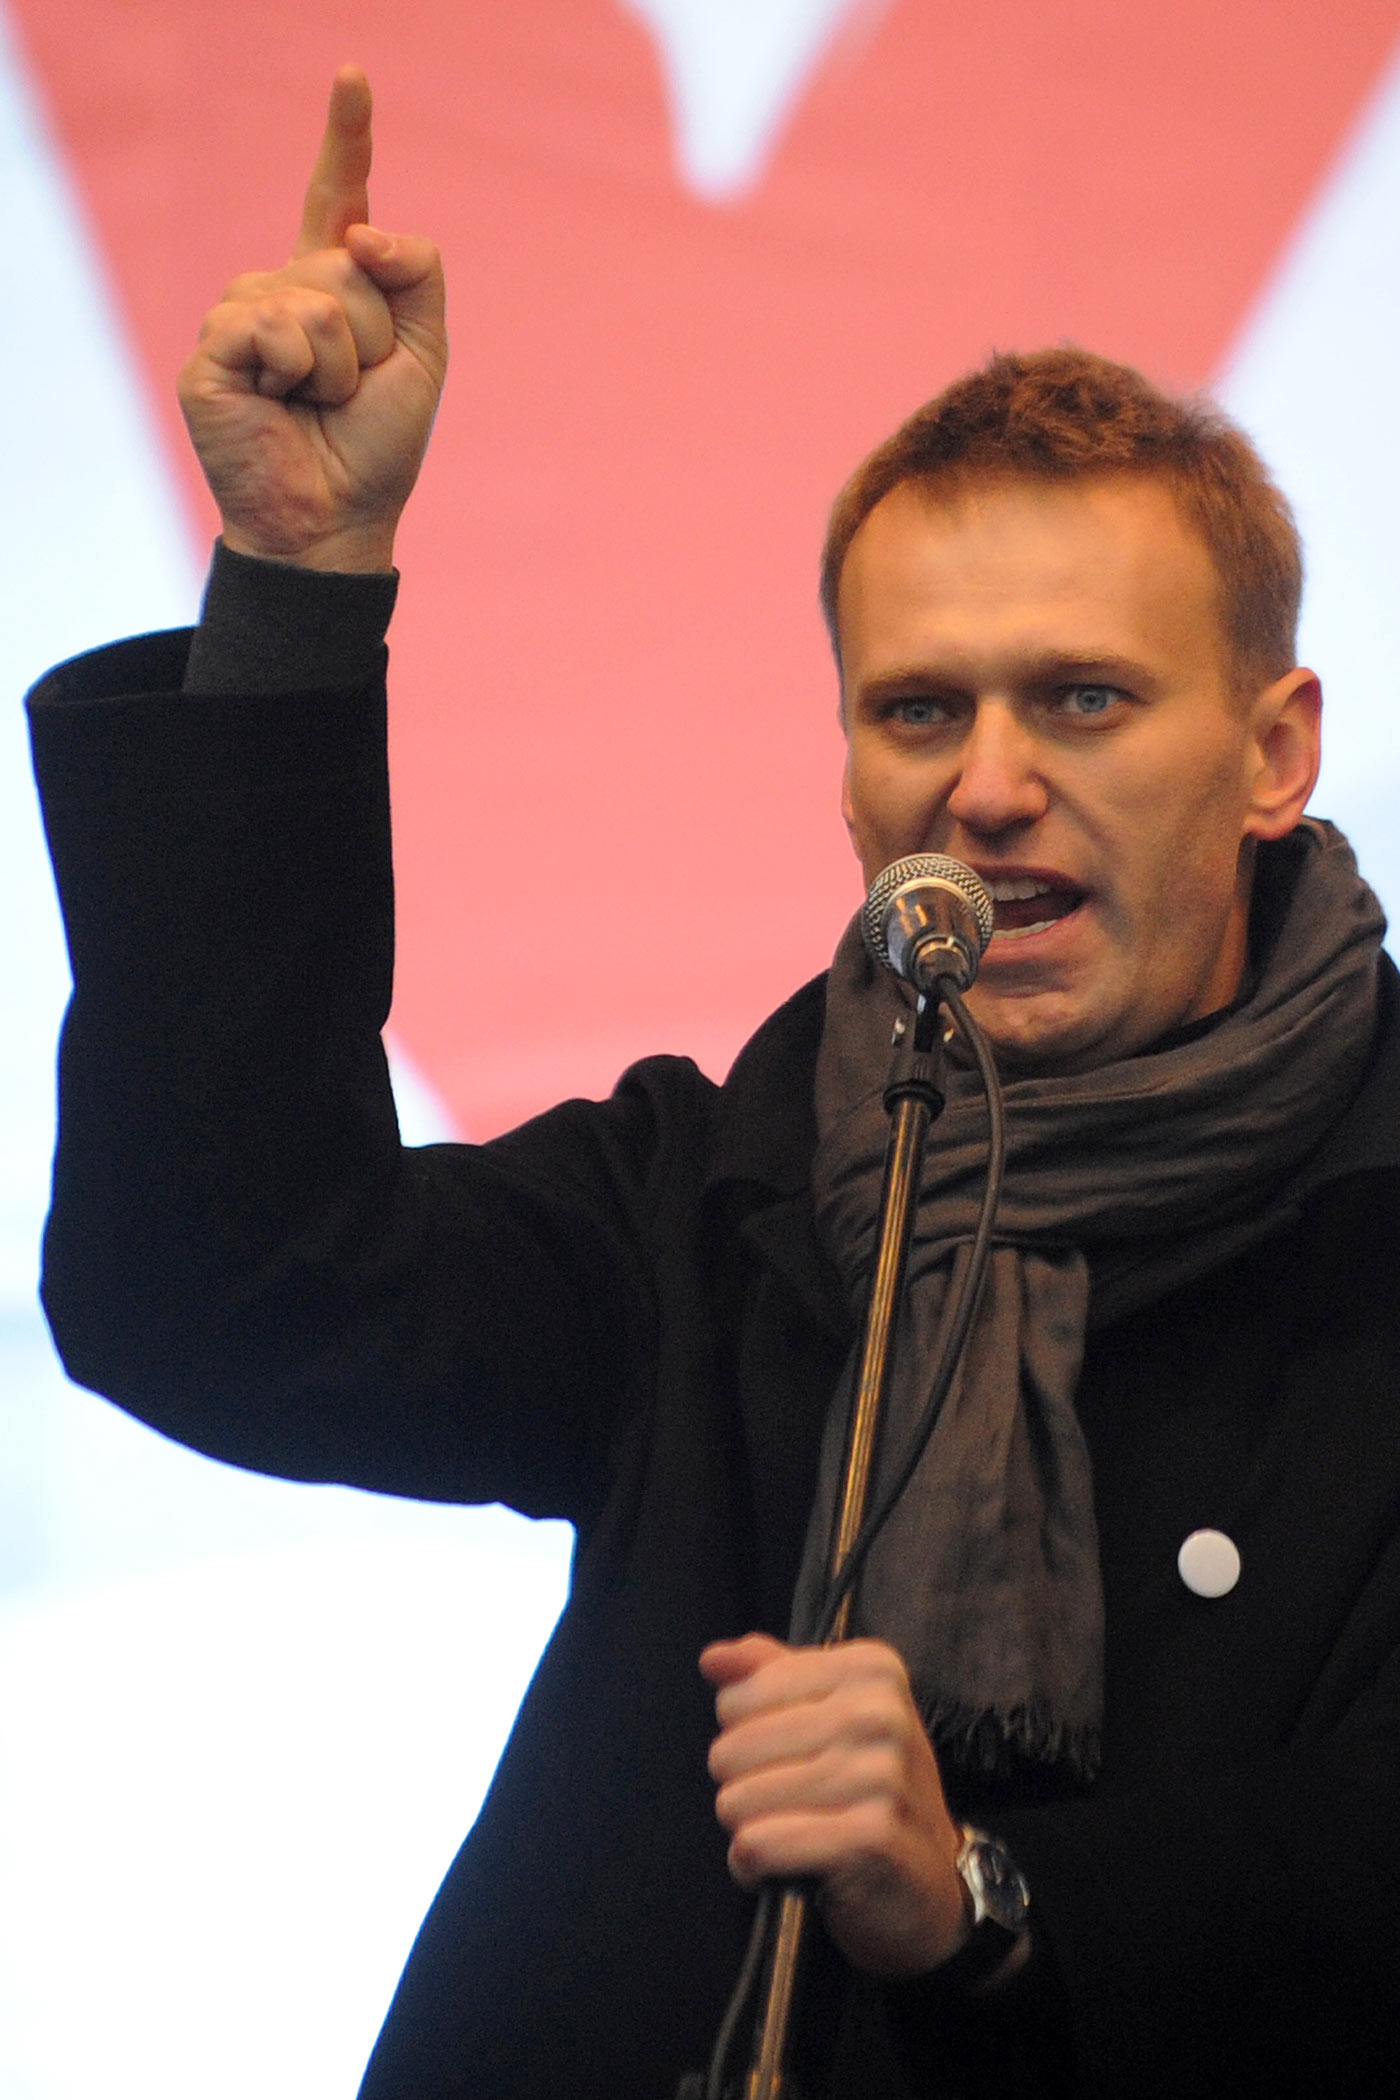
(1018, 933)
(1013, 890)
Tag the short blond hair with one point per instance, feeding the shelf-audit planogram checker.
(1059, 415)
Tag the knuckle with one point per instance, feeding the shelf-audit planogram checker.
(865, 1773)
(881, 1660)
(190, 383)
(322, 314)
(860, 1716)
(885, 1772)
(734, 1702)
(871, 1827)
(249, 284)
(270, 314)
(334, 270)
(746, 1858)
(227, 315)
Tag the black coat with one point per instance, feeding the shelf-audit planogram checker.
(619, 1314)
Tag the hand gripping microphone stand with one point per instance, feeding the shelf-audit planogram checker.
(928, 919)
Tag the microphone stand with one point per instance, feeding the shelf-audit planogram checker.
(913, 1098)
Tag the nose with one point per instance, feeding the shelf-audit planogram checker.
(998, 784)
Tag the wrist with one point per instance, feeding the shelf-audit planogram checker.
(996, 1905)
(367, 551)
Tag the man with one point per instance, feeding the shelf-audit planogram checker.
(1063, 610)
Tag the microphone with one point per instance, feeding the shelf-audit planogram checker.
(928, 917)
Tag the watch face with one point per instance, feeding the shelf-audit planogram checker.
(998, 1887)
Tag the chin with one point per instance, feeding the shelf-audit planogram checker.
(1025, 1050)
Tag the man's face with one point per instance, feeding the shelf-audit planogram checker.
(1036, 682)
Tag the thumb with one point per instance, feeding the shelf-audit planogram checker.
(407, 269)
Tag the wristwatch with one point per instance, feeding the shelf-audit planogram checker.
(998, 1908)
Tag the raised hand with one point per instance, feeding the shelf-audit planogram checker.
(312, 391)
(825, 1771)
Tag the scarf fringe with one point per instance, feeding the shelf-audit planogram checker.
(990, 1745)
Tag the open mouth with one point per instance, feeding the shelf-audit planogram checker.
(1024, 904)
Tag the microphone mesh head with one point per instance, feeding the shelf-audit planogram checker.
(922, 867)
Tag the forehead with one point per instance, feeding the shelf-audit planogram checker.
(1100, 567)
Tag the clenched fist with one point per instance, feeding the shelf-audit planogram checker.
(825, 1771)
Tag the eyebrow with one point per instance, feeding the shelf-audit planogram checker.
(1050, 667)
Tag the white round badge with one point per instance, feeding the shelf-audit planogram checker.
(1209, 1563)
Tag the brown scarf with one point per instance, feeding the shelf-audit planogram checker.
(1121, 1184)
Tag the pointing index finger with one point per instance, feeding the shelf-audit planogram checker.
(337, 195)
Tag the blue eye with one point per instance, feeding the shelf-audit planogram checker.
(919, 713)
(1088, 699)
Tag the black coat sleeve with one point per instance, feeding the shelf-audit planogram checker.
(239, 1250)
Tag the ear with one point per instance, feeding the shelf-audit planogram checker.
(1286, 722)
(848, 807)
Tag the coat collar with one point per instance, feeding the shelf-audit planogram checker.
(1366, 1137)
(767, 1128)
(765, 1136)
